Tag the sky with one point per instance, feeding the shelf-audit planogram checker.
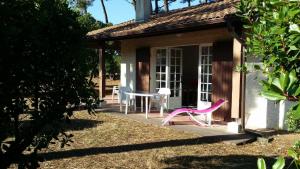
(120, 10)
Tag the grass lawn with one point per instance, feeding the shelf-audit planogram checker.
(108, 141)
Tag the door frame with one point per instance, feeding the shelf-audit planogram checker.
(167, 70)
(153, 63)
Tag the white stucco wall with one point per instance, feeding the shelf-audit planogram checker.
(128, 73)
(260, 112)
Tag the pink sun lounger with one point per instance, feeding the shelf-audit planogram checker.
(190, 112)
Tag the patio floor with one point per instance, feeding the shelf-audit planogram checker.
(182, 123)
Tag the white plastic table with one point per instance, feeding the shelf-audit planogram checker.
(142, 95)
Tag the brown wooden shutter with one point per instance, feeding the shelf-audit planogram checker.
(222, 77)
(143, 69)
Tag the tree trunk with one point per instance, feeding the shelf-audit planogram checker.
(166, 5)
(104, 11)
(156, 6)
(134, 4)
(189, 3)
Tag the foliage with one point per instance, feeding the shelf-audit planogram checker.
(89, 23)
(273, 35)
(279, 164)
(82, 5)
(112, 61)
(293, 152)
(293, 122)
(43, 68)
(282, 87)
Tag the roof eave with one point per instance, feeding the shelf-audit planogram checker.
(201, 26)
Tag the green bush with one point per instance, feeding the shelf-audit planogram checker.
(43, 68)
(273, 36)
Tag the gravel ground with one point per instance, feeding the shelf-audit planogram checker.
(107, 141)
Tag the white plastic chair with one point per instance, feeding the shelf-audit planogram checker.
(123, 100)
(115, 91)
(162, 99)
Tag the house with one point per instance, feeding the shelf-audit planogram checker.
(193, 51)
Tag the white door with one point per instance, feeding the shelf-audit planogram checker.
(175, 78)
(161, 68)
(205, 76)
(169, 73)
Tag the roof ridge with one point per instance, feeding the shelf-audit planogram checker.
(187, 8)
(194, 16)
(113, 26)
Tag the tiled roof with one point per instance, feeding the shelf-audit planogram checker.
(190, 17)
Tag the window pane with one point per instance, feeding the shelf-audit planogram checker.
(204, 50)
(209, 59)
(177, 77)
(157, 61)
(177, 53)
(172, 93)
(172, 85)
(163, 61)
(172, 78)
(163, 76)
(163, 84)
(157, 69)
(172, 61)
(203, 79)
(177, 61)
(176, 93)
(163, 69)
(202, 96)
(202, 68)
(172, 69)
(163, 52)
(177, 85)
(157, 76)
(177, 69)
(202, 87)
(157, 85)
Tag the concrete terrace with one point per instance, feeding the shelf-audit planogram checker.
(181, 123)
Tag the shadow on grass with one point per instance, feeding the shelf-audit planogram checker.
(81, 124)
(217, 162)
(138, 147)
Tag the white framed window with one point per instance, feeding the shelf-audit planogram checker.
(205, 73)
(175, 72)
(161, 69)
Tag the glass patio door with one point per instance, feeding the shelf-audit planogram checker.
(205, 76)
(169, 73)
(161, 69)
(175, 80)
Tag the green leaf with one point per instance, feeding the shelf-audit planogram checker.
(261, 164)
(294, 28)
(292, 153)
(277, 82)
(271, 95)
(284, 81)
(297, 92)
(280, 163)
(292, 79)
(275, 15)
(293, 47)
(296, 111)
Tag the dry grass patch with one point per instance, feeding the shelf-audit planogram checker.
(107, 141)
